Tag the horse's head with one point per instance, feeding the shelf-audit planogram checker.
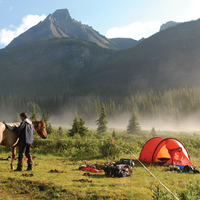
(40, 127)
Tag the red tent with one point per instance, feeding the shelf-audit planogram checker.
(161, 151)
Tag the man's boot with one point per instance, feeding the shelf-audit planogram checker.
(19, 168)
(29, 168)
(20, 163)
(30, 162)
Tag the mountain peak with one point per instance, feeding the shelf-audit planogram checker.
(168, 25)
(61, 14)
(61, 25)
(62, 18)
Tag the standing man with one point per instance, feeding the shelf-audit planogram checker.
(26, 131)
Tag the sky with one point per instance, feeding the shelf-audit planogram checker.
(112, 18)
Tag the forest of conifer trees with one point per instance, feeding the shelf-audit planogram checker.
(180, 104)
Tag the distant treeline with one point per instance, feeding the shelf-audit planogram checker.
(177, 103)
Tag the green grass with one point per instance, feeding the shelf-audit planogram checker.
(47, 185)
(68, 154)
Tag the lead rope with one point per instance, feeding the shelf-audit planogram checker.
(148, 171)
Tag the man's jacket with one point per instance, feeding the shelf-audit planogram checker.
(26, 131)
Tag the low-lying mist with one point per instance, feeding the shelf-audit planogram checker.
(169, 123)
(120, 122)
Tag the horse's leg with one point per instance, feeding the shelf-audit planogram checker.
(13, 156)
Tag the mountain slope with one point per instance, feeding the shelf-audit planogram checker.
(61, 25)
(47, 65)
(125, 43)
(169, 58)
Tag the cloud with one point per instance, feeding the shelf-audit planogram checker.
(136, 30)
(193, 13)
(8, 34)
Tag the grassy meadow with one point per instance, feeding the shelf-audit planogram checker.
(65, 157)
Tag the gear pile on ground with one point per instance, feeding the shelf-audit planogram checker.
(121, 168)
(92, 167)
(9, 158)
(186, 168)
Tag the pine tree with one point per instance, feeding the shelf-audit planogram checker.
(133, 126)
(75, 126)
(114, 134)
(126, 105)
(102, 121)
(153, 132)
(60, 129)
(78, 127)
(34, 114)
(49, 128)
(45, 116)
(97, 105)
(82, 129)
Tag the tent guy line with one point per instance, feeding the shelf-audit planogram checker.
(148, 171)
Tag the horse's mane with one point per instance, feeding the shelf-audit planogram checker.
(13, 124)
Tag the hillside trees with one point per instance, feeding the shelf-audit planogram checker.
(10, 106)
(65, 98)
(16, 119)
(34, 114)
(45, 116)
(174, 104)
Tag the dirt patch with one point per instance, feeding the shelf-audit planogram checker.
(56, 171)
(87, 174)
(28, 175)
(84, 180)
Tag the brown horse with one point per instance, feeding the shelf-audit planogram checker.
(10, 139)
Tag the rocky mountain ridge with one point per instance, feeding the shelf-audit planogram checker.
(169, 58)
(168, 25)
(61, 25)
